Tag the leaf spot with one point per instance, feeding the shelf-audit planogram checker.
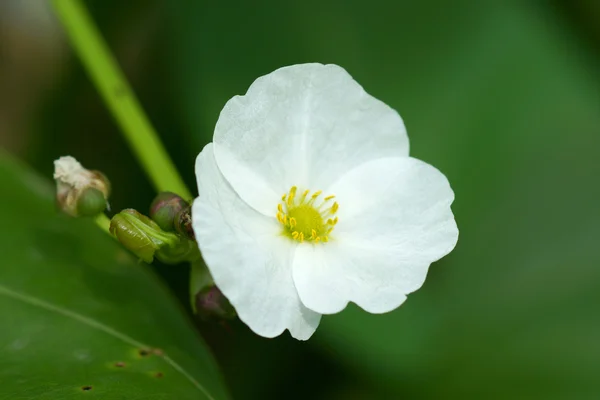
(159, 375)
(120, 364)
(158, 352)
(86, 388)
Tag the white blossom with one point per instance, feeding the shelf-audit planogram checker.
(309, 200)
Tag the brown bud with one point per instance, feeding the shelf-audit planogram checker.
(164, 209)
(212, 304)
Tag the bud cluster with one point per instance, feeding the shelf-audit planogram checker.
(166, 234)
(158, 235)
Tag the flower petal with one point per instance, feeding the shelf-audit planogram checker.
(303, 125)
(249, 262)
(394, 221)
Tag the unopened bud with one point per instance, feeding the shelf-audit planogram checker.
(208, 302)
(183, 223)
(91, 202)
(164, 209)
(211, 304)
(140, 235)
(80, 192)
(144, 238)
(185, 250)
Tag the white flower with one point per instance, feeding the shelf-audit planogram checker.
(278, 243)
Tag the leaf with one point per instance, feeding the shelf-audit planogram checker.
(79, 317)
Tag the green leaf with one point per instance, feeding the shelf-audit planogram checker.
(79, 317)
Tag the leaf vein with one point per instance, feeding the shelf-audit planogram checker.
(92, 323)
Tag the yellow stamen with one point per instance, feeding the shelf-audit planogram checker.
(334, 208)
(304, 196)
(290, 199)
(303, 219)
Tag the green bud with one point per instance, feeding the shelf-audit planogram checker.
(140, 235)
(91, 202)
(164, 209)
(185, 250)
(183, 223)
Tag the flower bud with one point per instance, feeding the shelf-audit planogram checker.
(184, 250)
(80, 192)
(183, 223)
(144, 238)
(164, 209)
(211, 304)
(91, 202)
(208, 302)
(140, 235)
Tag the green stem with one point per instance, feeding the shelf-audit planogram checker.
(103, 222)
(119, 97)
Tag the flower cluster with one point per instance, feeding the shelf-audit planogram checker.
(308, 200)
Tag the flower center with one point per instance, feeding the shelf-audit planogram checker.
(303, 219)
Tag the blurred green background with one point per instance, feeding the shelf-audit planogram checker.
(502, 96)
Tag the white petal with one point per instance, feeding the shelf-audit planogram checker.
(248, 260)
(394, 221)
(303, 125)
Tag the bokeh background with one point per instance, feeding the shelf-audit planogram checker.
(502, 96)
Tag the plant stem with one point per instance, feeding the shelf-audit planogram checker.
(104, 223)
(119, 97)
